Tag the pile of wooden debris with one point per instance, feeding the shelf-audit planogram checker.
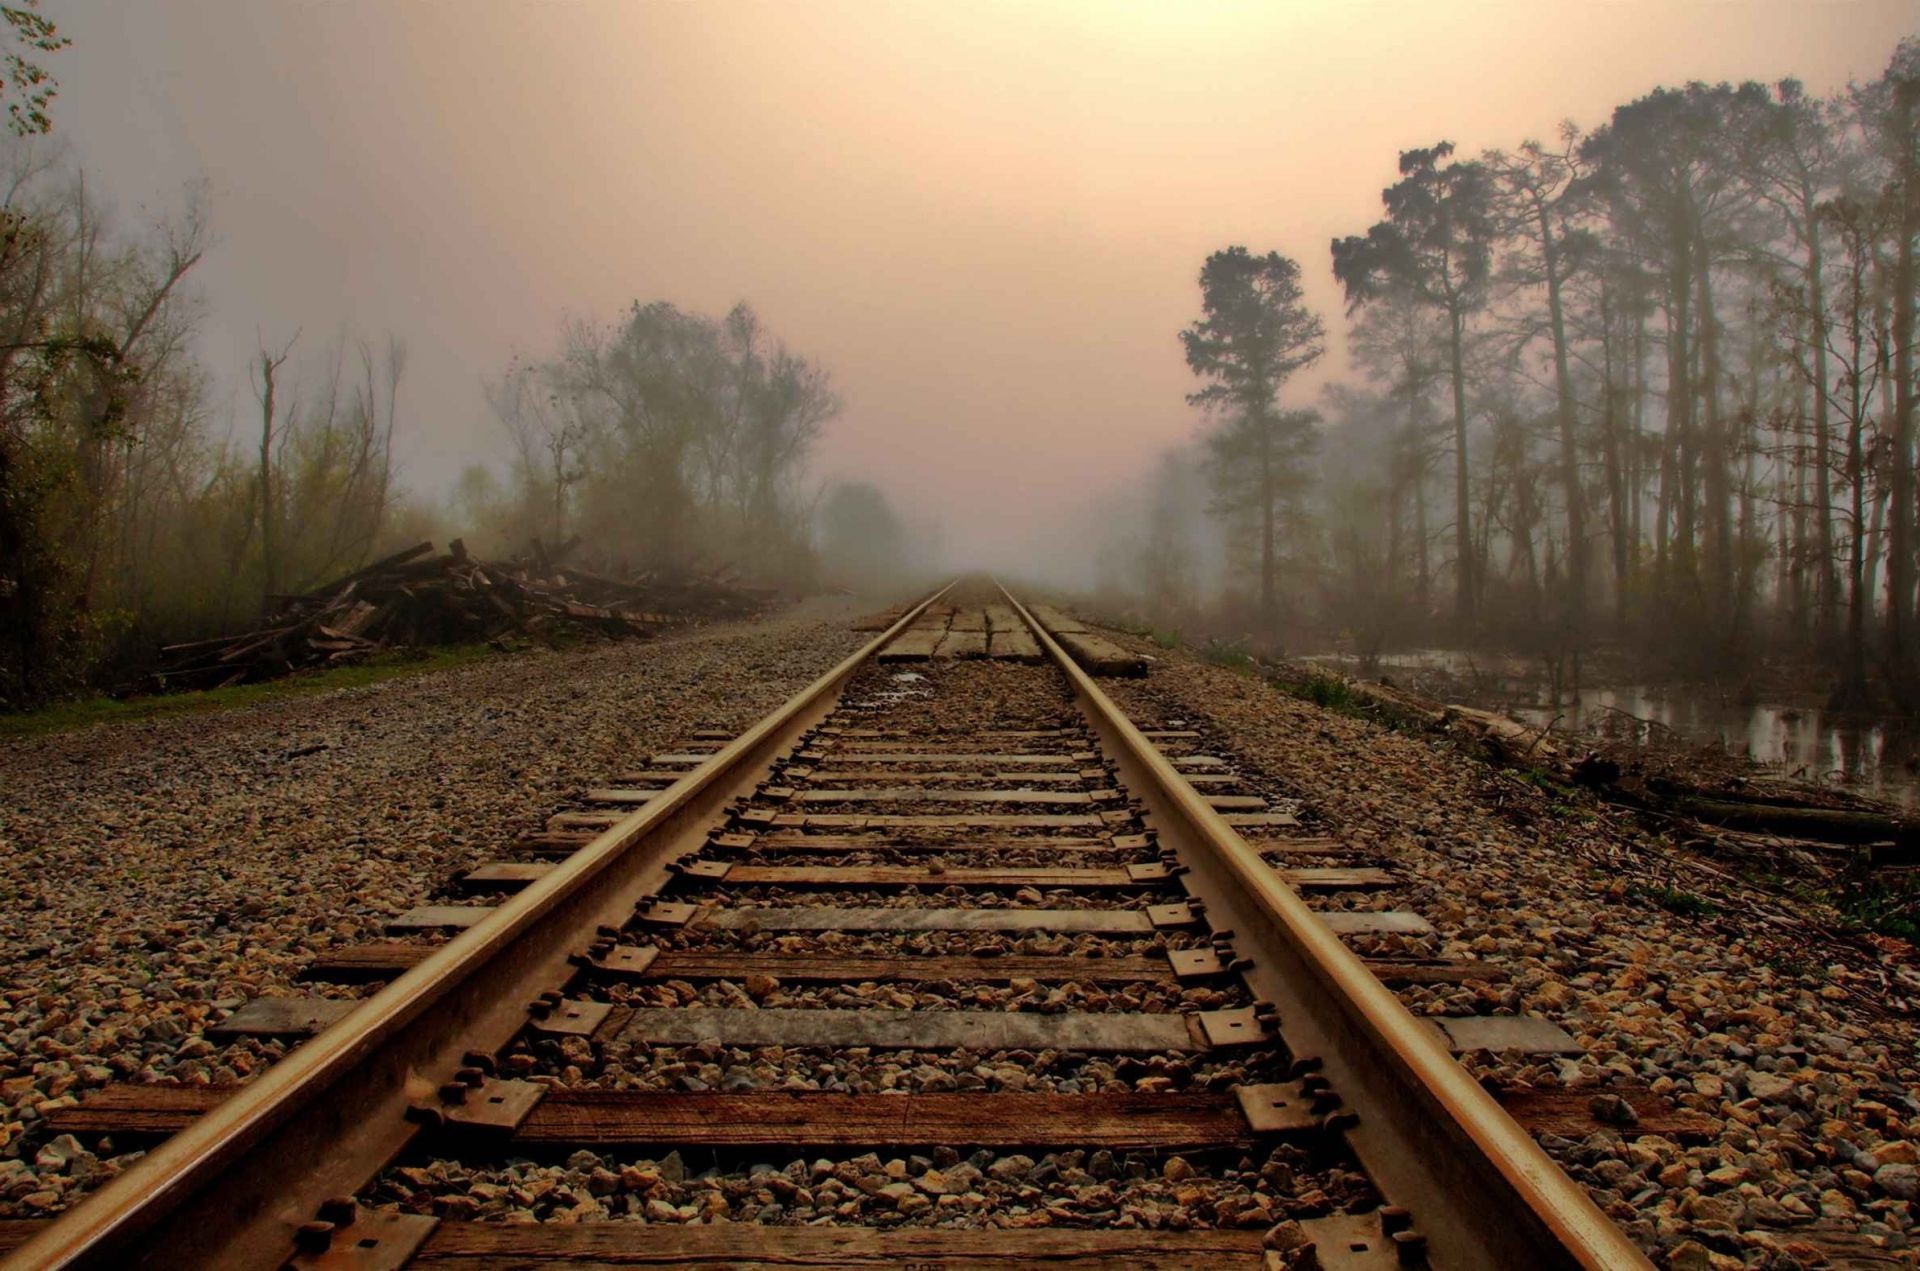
(415, 598)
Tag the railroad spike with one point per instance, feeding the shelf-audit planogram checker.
(341, 1211)
(1240, 964)
(1395, 1218)
(313, 1237)
(1411, 1248)
(423, 1115)
(1337, 1121)
(482, 1060)
(454, 1092)
(1306, 1064)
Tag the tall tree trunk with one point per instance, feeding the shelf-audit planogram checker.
(1900, 485)
(1569, 453)
(1715, 461)
(1264, 430)
(1464, 580)
(268, 365)
(1613, 454)
(1826, 591)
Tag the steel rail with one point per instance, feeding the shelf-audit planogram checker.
(1479, 1188)
(231, 1189)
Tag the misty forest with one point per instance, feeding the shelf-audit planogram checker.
(1640, 390)
(1645, 385)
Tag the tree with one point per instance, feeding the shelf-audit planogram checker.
(25, 85)
(862, 540)
(1665, 170)
(1436, 244)
(1539, 195)
(1890, 110)
(1255, 332)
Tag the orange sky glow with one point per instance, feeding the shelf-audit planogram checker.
(986, 218)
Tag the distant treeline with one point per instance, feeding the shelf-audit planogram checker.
(135, 510)
(1653, 382)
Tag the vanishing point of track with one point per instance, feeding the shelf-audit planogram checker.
(1068, 826)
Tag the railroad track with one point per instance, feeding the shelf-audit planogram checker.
(945, 963)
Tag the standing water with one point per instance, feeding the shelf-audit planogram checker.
(1875, 757)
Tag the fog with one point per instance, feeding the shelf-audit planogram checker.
(984, 220)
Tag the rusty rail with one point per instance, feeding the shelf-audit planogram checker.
(1482, 1192)
(232, 1189)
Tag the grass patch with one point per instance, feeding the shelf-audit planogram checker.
(1675, 901)
(1887, 908)
(66, 716)
(1231, 654)
(1329, 692)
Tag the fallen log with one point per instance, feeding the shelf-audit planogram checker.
(1831, 825)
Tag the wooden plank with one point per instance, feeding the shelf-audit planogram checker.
(782, 841)
(690, 758)
(1398, 972)
(911, 795)
(438, 918)
(1098, 655)
(916, 644)
(1056, 621)
(504, 875)
(1317, 846)
(959, 644)
(360, 963)
(1015, 646)
(1236, 803)
(910, 1030)
(667, 775)
(554, 842)
(955, 758)
(964, 821)
(382, 960)
(698, 964)
(604, 1246)
(1115, 921)
(1397, 922)
(970, 620)
(1248, 819)
(586, 820)
(143, 1112)
(1570, 1114)
(282, 1017)
(1505, 1034)
(824, 774)
(619, 795)
(1166, 1122)
(1331, 879)
(924, 876)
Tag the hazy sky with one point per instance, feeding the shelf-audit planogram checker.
(986, 219)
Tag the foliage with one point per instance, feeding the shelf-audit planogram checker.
(666, 439)
(1255, 332)
(862, 540)
(1648, 384)
(1330, 692)
(26, 86)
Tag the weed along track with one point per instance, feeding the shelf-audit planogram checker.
(946, 962)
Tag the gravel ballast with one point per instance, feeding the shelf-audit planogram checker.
(153, 876)
(1810, 1085)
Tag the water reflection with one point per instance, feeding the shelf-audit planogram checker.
(1874, 757)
